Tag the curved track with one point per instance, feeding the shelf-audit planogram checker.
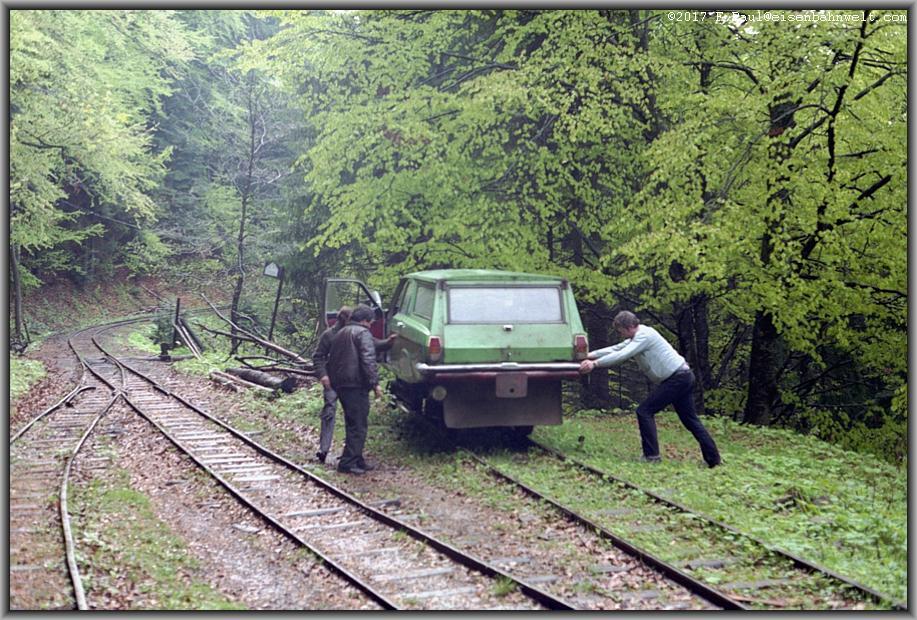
(42, 454)
(393, 563)
(779, 579)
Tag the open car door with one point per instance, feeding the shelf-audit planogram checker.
(348, 292)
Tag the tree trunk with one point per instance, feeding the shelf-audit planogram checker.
(764, 363)
(19, 332)
(702, 342)
(763, 368)
(596, 393)
(246, 196)
(287, 384)
(688, 344)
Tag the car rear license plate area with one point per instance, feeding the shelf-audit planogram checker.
(512, 385)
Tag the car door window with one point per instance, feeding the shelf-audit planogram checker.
(423, 302)
(399, 298)
(408, 301)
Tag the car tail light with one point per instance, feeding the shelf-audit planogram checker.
(580, 347)
(434, 349)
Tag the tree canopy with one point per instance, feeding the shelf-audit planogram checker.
(740, 183)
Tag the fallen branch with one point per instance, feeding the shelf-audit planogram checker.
(762, 601)
(265, 343)
(274, 365)
(153, 293)
(295, 371)
(183, 336)
(225, 383)
(222, 333)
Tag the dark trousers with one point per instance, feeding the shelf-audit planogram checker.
(355, 402)
(327, 418)
(677, 391)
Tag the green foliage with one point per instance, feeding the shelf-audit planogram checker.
(608, 146)
(145, 254)
(24, 373)
(144, 338)
(83, 85)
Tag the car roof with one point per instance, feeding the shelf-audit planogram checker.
(481, 275)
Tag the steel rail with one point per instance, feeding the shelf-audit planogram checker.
(66, 530)
(798, 561)
(63, 508)
(79, 388)
(699, 588)
(53, 407)
(534, 593)
(239, 495)
(69, 545)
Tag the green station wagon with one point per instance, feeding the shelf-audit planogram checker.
(477, 348)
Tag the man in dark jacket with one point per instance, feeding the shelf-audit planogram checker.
(353, 372)
(320, 358)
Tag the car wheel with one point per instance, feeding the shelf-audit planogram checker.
(433, 409)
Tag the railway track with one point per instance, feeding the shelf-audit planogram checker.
(394, 564)
(697, 548)
(654, 580)
(42, 454)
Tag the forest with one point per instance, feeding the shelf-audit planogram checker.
(740, 183)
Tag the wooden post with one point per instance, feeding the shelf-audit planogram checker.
(175, 321)
(270, 332)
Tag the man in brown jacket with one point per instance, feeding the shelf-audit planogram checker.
(353, 372)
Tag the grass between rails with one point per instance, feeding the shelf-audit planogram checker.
(119, 537)
(843, 510)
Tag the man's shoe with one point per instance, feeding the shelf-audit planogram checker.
(712, 465)
(650, 459)
(320, 456)
(367, 466)
(359, 471)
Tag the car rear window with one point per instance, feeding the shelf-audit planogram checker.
(517, 304)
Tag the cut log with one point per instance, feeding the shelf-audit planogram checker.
(220, 375)
(287, 384)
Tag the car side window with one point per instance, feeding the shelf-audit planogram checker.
(398, 299)
(423, 303)
(408, 299)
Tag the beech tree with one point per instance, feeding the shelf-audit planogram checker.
(706, 174)
(84, 86)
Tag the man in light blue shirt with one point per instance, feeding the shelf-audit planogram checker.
(673, 379)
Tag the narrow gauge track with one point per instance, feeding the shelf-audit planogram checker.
(42, 454)
(393, 563)
(790, 581)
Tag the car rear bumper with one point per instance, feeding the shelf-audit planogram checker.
(550, 370)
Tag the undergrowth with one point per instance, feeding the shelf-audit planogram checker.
(844, 510)
(24, 373)
(158, 564)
